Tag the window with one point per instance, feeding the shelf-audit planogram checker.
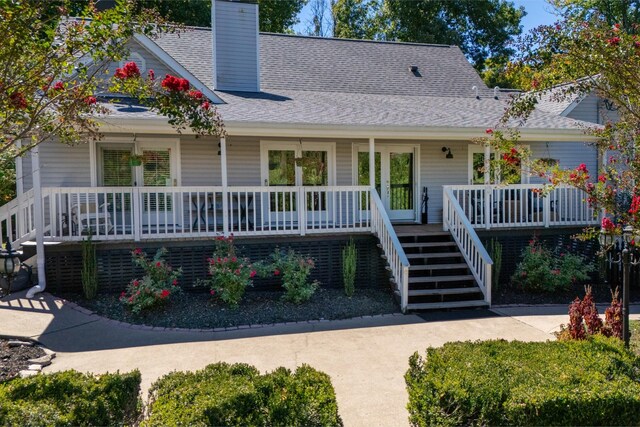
(116, 167)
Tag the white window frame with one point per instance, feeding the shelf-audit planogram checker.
(298, 147)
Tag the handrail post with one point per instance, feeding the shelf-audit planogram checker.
(489, 281)
(405, 288)
(488, 195)
(225, 189)
(302, 208)
(137, 213)
(445, 210)
(547, 210)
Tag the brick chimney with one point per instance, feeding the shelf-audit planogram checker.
(236, 54)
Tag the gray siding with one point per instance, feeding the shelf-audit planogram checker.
(200, 163)
(60, 166)
(586, 110)
(151, 62)
(569, 155)
(236, 49)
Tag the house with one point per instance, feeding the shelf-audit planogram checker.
(326, 138)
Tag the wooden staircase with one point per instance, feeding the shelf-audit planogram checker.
(439, 277)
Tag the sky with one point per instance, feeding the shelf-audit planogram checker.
(538, 13)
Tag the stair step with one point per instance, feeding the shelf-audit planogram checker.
(422, 234)
(435, 279)
(444, 305)
(428, 244)
(436, 255)
(439, 266)
(445, 291)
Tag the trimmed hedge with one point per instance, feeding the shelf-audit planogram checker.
(223, 394)
(590, 382)
(71, 398)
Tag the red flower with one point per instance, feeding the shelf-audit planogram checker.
(614, 41)
(165, 293)
(18, 101)
(602, 178)
(175, 282)
(136, 283)
(195, 94)
(158, 264)
(123, 294)
(607, 225)
(90, 100)
(129, 70)
(58, 86)
(175, 84)
(212, 292)
(137, 251)
(276, 272)
(152, 75)
(253, 274)
(582, 168)
(205, 105)
(635, 205)
(489, 131)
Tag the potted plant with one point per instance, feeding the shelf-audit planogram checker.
(135, 160)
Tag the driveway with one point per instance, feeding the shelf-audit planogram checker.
(366, 358)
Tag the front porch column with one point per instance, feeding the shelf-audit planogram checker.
(38, 217)
(372, 164)
(487, 189)
(225, 189)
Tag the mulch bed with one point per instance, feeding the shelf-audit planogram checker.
(200, 311)
(14, 359)
(508, 294)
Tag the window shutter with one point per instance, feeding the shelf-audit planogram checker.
(116, 169)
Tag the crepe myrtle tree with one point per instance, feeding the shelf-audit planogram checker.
(576, 57)
(52, 66)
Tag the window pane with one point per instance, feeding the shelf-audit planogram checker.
(156, 168)
(314, 168)
(116, 169)
(282, 169)
(401, 181)
(363, 169)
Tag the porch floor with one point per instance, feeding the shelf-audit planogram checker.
(417, 229)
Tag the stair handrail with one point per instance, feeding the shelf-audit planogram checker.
(22, 227)
(397, 259)
(472, 249)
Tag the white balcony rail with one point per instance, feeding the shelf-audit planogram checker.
(522, 205)
(135, 213)
(396, 258)
(472, 249)
(17, 220)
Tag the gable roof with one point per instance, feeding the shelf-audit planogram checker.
(335, 83)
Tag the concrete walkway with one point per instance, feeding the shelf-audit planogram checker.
(366, 358)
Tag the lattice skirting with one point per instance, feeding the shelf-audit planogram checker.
(115, 269)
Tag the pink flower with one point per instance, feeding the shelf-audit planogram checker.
(122, 294)
(137, 251)
(135, 283)
(614, 41)
(152, 75)
(489, 131)
(602, 178)
(158, 264)
(234, 259)
(205, 105)
(252, 274)
(58, 86)
(212, 292)
(165, 293)
(90, 100)
(195, 94)
(276, 272)
(175, 282)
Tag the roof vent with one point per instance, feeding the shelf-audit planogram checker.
(414, 71)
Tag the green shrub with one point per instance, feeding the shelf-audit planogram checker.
(294, 269)
(89, 269)
(230, 274)
(543, 270)
(71, 398)
(223, 394)
(349, 260)
(159, 283)
(588, 382)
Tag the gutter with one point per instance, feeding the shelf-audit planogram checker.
(298, 130)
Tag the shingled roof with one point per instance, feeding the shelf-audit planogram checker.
(321, 81)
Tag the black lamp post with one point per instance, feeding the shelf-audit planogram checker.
(627, 260)
(9, 263)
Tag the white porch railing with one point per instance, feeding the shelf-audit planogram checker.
(396, 258)
(521, 205)
(473, 251)
(135, 213)
(17, 219)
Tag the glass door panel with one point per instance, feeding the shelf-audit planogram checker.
(401, 181)
(282, 173)
(363, 169)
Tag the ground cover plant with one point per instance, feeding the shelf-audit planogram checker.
(159, 283)
(71, 398)
(588, 382)
(222, 394)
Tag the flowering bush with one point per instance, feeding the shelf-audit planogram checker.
(543, 270)
(294, 269)
(230, 274)
(584, 320)
(155, 288)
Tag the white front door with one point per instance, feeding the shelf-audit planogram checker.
(293, 164)
(157, 172)
(396, 178)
